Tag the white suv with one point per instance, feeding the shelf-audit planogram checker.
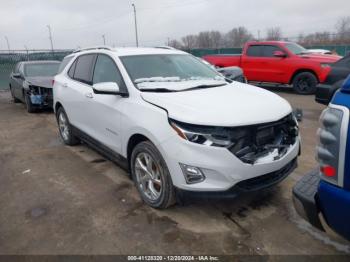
(174, 122)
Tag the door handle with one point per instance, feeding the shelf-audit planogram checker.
(88, 95)
(65, 85)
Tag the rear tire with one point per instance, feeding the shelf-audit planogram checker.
(14, 99)
(152, 178)
(305, 83)
(65, 128)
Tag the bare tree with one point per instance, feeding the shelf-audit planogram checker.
(204, 40)
(175, 43)
(215, 39)
(343, 29)
(237, 37)
(189, 41)
(274, 34)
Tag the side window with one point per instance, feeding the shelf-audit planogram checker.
(254, 50)
(63, 64)
(83, 68)
(72, 69)
(107, 71)
(268, 50)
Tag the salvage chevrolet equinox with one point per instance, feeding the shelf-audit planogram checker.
(174, 122)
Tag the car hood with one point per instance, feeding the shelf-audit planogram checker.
(234, 104)
(322, 58)
(42, 81)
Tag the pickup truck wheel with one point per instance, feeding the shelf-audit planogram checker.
(65, 128)
(305, 83)
(28, 103)
(151, 176)
(15, 100)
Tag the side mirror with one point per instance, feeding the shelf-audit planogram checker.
(17, 75)
(279, 54)
(107, 88)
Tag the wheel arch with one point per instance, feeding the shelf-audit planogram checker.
(302, 70)
(57, 106)
(133, 141)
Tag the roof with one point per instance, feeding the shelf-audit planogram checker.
(269, 42)
(128, 51)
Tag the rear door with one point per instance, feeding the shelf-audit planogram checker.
(251, 63)
(77, 92)
(17, 82)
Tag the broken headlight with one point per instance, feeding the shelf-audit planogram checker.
(204, 135)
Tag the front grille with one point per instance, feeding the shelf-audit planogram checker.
(266, 180)
(257, 141)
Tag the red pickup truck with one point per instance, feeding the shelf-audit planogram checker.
(279, 62)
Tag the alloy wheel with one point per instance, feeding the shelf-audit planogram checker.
(63, 126)
(149, 176)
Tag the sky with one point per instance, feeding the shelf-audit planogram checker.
(79, 23)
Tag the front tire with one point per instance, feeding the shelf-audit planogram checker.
(28, 103)
(151, 176)
(305, 83)
(65, 128)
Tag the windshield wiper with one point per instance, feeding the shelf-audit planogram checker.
(202, 87)
(158, 90)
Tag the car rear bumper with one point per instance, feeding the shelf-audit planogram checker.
(304, 198)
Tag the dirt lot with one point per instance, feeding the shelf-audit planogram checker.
(60, 200)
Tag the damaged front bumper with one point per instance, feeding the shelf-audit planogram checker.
(40, 97)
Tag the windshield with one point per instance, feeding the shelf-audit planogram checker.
(44, 69)
(168, 68)
(295, 48)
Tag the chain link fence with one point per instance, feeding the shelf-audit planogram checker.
(8, 59)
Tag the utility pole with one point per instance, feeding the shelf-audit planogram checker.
(8, 43)
(137, 38)
(104, 39)
(168, 44)
(50, 37)
(26, 48)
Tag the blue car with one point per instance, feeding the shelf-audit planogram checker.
(323, 195)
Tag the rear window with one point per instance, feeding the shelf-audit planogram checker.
(254, 50)
(41, 69)
(64, 62)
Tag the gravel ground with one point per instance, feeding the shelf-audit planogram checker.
(56, 199)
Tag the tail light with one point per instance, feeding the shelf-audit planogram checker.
(53, 82)
(332, 142)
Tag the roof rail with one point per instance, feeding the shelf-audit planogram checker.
(92, 48)
(166, 47)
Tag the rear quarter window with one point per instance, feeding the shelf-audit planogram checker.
(64, 62)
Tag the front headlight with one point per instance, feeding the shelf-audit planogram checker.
(204, 135)
(325, 65)
(25, 84)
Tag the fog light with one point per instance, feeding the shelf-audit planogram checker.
(192, 174)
